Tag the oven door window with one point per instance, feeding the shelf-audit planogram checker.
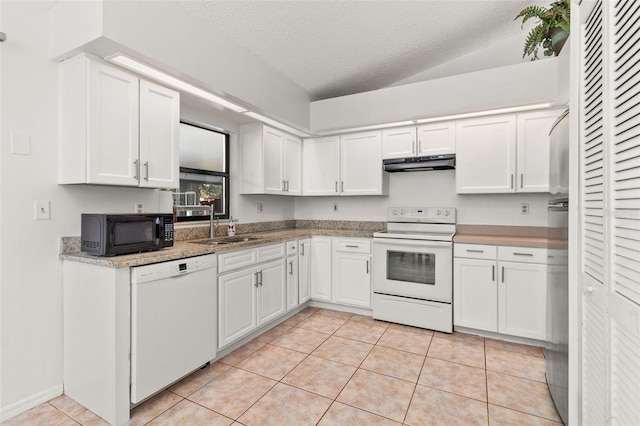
(411, 267)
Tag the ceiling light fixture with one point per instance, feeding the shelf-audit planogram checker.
(485, 113)
(277, 124)
(155, 74)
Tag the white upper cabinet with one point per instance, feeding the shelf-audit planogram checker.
(424, 140)
(116, 129)
(505, 153)
(270, 161)
(321, 166)
(533, 150)
(346, 165)
(159, 130)
(486, 155)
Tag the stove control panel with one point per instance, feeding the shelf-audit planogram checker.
(422, 214)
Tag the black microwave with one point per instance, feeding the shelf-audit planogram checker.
(112, 234)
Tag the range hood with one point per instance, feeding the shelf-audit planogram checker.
(420, 164)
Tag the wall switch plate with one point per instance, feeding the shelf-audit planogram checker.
(524, 208)
(139, 208)
(42, 210)
(259, 207)
(335, 208)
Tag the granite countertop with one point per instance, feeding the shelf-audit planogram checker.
(189, 248)
(521, 236)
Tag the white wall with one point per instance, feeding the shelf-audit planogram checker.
(30, 271)
(429, 189)
(514, 85)
(167, 35)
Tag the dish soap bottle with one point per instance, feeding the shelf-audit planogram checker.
(231, 227)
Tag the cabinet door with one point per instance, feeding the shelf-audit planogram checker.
(292, 165)
(321, 166)
(352, 279)
(159, 136)
(399, 142)
(522, 296)
(361, 164)
(437, 138)
(486, 155)
(475, 294)
(533, 150)
(236, 305)
(112, 130)
(321, 268)
(273, 145)
(292, 282)
(272, 291)
(304, 270)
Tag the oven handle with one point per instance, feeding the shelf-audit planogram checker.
(413, 243)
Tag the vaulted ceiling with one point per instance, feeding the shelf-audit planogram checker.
(335, 48)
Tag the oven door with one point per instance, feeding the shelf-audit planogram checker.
(413, 268)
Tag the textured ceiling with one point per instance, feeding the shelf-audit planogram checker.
(336, 48)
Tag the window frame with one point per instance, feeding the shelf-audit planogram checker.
(226, 176)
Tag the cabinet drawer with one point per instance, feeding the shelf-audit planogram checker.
(274, 251)
(292, 248)
(475, 251)
(353, 245)
(522, 254)
(237, 259)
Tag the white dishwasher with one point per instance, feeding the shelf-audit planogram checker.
(173, 321)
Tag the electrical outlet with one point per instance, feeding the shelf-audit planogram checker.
(335, 208)
(139, 208)
(524, 208)
(259, 207)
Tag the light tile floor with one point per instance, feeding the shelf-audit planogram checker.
(333, 368)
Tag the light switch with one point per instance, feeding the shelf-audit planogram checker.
(20, 143)
(42, 210)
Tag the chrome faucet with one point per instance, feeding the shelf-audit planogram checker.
(213, 223)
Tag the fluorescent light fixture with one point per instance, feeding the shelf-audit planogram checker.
(365, 128)
(155, 74)
(484, 113)
(277, 124)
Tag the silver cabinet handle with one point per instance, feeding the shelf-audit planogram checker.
(146, 170)
(521, 180)
(342, 189)
(512, 181)
(336, 186)
(291, 268)
(493, 273)
(522, 254)
(286, 182)
(256, 277)
(474, 251)
(135, 169)
(419, 146)
(413, 147)
(503, 274)
(260, 278)
(351, 246)
(302, 249)
(367, 266)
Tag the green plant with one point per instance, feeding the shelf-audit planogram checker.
(552, 30)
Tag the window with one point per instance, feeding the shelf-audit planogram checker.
(204, 173)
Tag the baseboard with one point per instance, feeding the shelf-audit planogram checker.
(28, 403)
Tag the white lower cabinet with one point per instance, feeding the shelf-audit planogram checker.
(251, 296)
(492, 292)
(293, 278)
(320, 267)
(304, 270)
(352, 272)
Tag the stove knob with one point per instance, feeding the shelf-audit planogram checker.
(447, 212)
(403, 212)
(438, 212)
(395, 212)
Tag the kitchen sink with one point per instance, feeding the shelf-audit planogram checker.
(224, 240)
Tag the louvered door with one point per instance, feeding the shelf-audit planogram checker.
(610, 217)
